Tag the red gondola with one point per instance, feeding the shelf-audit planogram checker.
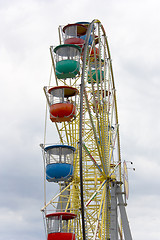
(60, 226)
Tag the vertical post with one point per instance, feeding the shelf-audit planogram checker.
(80, 130)
(125, 223)
(80, 150)
(114, 220)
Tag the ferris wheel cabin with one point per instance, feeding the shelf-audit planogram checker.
(59, 162)
(76, 34)
(73, 34)
(74, 30)
(60, 226)
(67, 60)
(62, 103)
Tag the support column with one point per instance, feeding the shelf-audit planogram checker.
(125, 223)
(113, 216)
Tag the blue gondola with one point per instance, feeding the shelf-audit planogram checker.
(59, 162)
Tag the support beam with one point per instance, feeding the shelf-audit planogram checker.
(125, 223)
(114, 220)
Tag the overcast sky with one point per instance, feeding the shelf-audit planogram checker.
(28, 29)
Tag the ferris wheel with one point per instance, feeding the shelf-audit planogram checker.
(86, 160)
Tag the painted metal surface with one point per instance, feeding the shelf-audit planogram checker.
(125, 179)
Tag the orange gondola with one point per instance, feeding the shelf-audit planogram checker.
(62, 108)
